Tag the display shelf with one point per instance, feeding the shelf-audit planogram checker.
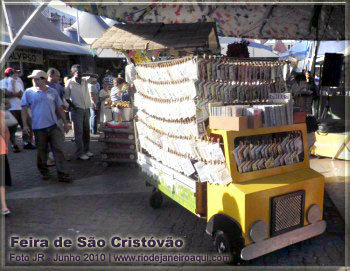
(116, 140)
(129, 130)
(119, 160)
(119, 144)
(229, 138)
(116, 151)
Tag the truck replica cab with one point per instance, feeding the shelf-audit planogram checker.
(267, 206)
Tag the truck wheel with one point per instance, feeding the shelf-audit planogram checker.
(156, 200)
(224, 244)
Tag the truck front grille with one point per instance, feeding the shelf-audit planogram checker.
(287, 212)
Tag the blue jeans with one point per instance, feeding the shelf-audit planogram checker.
(93, 119)
(80, 118)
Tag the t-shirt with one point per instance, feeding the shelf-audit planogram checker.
(58, 87)
(109, 79)
(94, 91)
(79, 93)
(43, 106)
(3, 138)
(130, 73)
(15, 102)
(114, 94)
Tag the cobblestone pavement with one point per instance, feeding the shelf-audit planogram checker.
(113, 201)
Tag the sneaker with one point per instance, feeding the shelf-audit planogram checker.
(5, 212)
(84, 157)
(90, 154)
(29, 146)
(64, 177)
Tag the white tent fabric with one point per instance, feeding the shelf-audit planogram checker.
(279, 21)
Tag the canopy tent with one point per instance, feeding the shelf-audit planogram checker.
(91, 27)
(159, 37)
(277, 21)
(299, 51)
(302, 49)
(48, 44)
(42, 34)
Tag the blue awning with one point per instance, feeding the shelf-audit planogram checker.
(46, 44)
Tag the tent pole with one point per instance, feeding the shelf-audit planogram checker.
(21, 32)
(313, 69)
(9, 29)
(78, 28)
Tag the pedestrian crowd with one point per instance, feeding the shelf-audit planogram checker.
(44, 110)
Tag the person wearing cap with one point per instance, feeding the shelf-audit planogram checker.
(77, 93)
(45, 103)
(14, 91)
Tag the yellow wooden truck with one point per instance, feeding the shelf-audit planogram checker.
(265, 208)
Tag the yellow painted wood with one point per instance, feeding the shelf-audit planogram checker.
(230, 136)
(248, 198)
(333, 145)
(250, 201)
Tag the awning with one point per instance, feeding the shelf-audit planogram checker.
(158, 36)
(46, 44)
(264, 21)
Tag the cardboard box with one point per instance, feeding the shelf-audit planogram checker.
(299, 117)
(228, 123)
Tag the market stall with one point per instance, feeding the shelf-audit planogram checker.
(247, 172)
(141, 43)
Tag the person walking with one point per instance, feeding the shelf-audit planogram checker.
(45, 103)
(4, 140)
(53, 81)
(14, 93)
(77, 92)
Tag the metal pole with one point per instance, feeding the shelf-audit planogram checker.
(78, 28)
(20, 34)
(9, 29)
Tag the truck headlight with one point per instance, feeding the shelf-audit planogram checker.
(258, 231)
(313, 213)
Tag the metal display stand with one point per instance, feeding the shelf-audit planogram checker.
(120, 144)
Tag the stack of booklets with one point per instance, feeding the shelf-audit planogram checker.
(229, 110)
(275, 115)
(272, 115)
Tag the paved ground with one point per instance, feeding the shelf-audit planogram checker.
(113, 201)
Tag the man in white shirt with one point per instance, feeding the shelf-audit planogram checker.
(130, 76)
(14, 91)
(130, 72)
(76, 90)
